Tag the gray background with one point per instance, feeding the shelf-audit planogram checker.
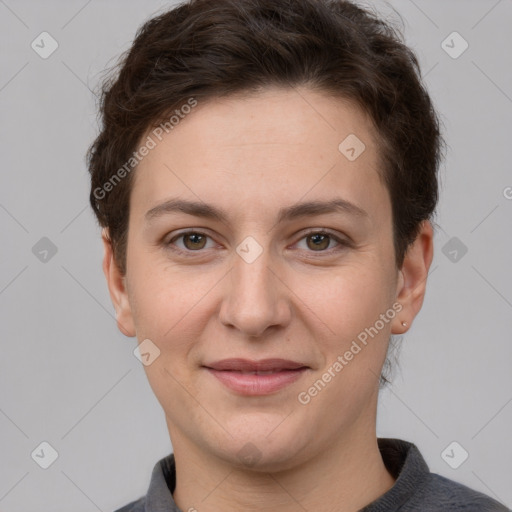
(68, 377)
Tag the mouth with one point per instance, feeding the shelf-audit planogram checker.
(256, 378)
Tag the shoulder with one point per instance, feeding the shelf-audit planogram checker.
(440, 493)
(134, 506)
(418, 489)
(161, 486)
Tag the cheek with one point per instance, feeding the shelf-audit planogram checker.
(174, 307)
(170, 305)
(353, 350)
(166, 297)
(348, 307)
(346, 300)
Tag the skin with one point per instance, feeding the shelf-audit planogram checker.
(252, 156)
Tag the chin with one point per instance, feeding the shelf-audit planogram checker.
(268, 460)
(266, 450)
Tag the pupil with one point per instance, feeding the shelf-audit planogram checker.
(319, 241)
(195, 239)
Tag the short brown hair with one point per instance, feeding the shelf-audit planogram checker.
(204, 49)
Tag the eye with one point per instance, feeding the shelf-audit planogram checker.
(321, 241)
(192, 241)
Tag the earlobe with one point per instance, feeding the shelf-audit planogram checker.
(117, 288)
(412, 281)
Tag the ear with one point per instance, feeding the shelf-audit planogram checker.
(117, 288)
(412, 279)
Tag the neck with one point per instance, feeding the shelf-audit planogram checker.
(344, 478)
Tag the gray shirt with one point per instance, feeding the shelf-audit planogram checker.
(416, 489)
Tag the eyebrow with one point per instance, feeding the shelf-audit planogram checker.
(304, 209)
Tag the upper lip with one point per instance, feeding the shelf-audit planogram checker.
(248, 365)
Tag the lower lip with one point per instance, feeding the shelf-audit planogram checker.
(254, 385)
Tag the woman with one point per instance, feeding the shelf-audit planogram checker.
(266, 177)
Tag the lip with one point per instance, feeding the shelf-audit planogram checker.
(240, 375)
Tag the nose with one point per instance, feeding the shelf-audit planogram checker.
(256, 299)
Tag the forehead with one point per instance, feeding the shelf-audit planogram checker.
(270, 149)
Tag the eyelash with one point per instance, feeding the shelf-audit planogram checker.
(342, 243)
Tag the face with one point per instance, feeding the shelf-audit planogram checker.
(257, 243)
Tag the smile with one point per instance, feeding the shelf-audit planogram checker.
(256, 378)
